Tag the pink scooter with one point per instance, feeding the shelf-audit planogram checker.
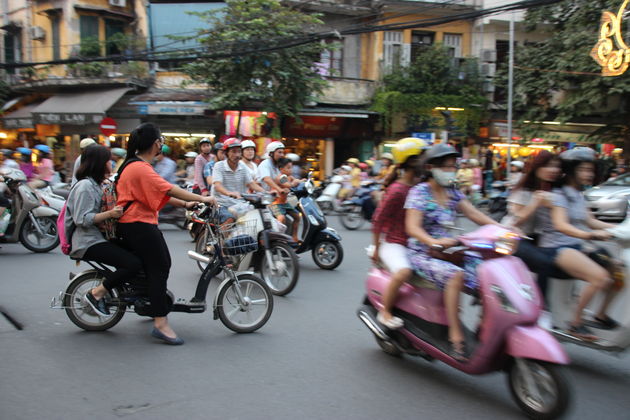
(508, 337)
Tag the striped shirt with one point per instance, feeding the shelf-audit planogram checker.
(234, 181)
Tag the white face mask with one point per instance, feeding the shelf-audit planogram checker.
(443, 178)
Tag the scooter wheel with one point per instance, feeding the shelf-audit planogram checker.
(549, 399)
(284, 279)
(80, 313)
(388, 348)
(327, 254)
(351, 218)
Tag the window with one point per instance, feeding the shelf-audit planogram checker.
(454, 43)
(419, 41)
(394, 52)
(331, 60)
(90, 45)
(54, 23)
(112, 29)
(12, 49)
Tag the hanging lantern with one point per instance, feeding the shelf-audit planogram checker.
(525, 151)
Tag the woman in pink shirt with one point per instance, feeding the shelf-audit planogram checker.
(44, 170)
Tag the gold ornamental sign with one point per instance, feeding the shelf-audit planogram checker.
(611, 52)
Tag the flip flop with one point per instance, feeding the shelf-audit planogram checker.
(393, 323)
(581, 332)
(606, 323)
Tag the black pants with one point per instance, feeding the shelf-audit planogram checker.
(537, 261)
(127, 265)
(146, 241)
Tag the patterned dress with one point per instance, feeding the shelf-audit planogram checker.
(435, 220)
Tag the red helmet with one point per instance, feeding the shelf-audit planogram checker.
(363, 166)
(231, 142)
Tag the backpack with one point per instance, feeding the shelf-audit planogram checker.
(65, 240)
(108, 202)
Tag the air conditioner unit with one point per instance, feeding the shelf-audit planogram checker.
(119, 3)
(489, 56)
(488, 69)
(37, 32)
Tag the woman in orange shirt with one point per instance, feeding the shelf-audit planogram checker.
(143, 193)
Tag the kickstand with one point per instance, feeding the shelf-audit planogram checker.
(12, 321)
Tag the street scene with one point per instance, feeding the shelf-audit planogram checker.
(322, 209)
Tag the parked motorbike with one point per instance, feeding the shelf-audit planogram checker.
(31, 223)
(275, 260)
(360, 207)
(323, 242)
(564, 294)
(507, 337)
(243, 302)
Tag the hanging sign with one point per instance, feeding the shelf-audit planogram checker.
(611, 52)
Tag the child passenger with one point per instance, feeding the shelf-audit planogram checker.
(280, 208)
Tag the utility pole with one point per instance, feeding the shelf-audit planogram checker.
(510, 94)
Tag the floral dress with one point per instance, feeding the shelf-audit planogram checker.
(435, 219)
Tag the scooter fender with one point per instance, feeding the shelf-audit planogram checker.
(327, 235)
(215, 302)
(277, 236)
(533, 342)
(44, 211)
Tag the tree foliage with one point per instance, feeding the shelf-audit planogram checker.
(557, 78)
(432, 80)
(281, 80)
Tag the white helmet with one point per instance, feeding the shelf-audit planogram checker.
(191, 154)
(293, 157)
(273, 146)
(518, 164)
(247, 143)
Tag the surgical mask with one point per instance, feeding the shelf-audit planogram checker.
(443, 178)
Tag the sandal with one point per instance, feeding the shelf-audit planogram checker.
(392, 323)
(458, 351)
(605, 323)
(581, 332)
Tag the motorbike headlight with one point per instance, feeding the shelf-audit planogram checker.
(507, 244)
(266, 199)
(310, 188)
(506, 304)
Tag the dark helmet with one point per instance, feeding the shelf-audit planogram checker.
(218, 146)
(578, 154)
(439, 151)
(204, 140)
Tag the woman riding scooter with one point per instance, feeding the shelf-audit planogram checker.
(431, 207)
(563, 235)
(387, 220)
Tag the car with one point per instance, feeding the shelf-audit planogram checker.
(609, 200)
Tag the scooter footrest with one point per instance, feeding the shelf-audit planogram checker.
(189, 307)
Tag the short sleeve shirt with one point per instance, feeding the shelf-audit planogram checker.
(140, 184)
(575, 205)
(207, 169)
(235, 181)
(435, 217)
(267, 169)
(522, 197)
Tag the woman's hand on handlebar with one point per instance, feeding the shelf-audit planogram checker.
(212, 201)
(600, 235)
(445, 242)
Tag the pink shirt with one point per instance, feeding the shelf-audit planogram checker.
(46, 170)
(200, 162)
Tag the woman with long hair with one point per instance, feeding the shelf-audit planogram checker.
(143, 193)
(83, 215)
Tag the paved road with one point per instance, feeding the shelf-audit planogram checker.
(313, 360)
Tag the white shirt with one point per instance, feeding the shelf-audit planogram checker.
(253, 169)
(267, 169)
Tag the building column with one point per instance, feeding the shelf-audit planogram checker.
(329, 152)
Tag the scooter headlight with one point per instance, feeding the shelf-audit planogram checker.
(310, 188)
(506, 304)
(266, 199)
(507, 244)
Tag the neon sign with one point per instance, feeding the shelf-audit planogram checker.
(611, 52)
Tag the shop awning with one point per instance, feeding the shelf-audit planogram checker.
(77, 108)
(21, 118)
(337, 112)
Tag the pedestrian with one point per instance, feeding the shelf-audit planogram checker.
(82, 145)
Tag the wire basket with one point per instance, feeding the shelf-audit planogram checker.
(238, 238)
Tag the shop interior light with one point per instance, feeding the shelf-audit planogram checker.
(617, 150)
(176, 134)
(3, 135)
(112, 138)
(202, 135)
(551, 122)
(456, 109)
(540, 146)
(439, 108)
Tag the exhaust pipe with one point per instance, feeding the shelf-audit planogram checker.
(371, 323)
(198, 257)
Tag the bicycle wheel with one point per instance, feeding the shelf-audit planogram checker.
(80, 313)
(253, 311)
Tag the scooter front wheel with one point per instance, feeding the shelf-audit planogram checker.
(80, 313)
(539, 388)
(351, 218)
(283, 276)
(35, 241)
(327, 254)
(250, 313)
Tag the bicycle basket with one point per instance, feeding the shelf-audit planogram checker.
(238, 238)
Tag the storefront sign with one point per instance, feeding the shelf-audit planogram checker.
(171, 109)
(314, 127)
(428, 137)
(67, 119)
(12, 123)
(611, 52)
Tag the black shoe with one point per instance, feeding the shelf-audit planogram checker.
(168, 340)
(605, 323)
(98, 306)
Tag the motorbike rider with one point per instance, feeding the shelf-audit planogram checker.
(204, 156)
(280, 208)
(219, 154)
(86, 142)
(431, 207)
(188, 172)
(392, 251)
(231, 179)
(465, 178)
(8, 161)
(268, 170)
(165, 166)
(516, 172)
(531, 197)
(564, 232)
(144, 193)
(296, 171)
(249, 154)
(118, 155)
(26, 165)
(83, 215)
(44, 171)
